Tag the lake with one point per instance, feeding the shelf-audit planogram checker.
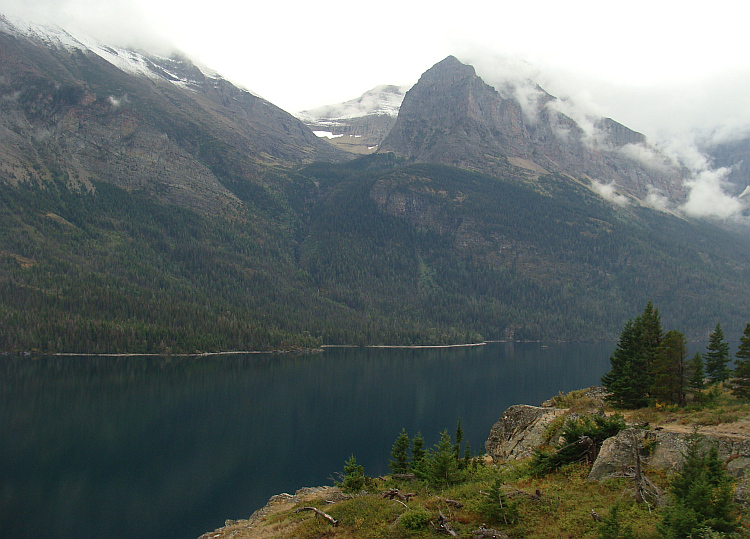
(171, 447)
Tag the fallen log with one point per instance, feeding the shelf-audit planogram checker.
(444, 525)
(319, 513)
(454, 503)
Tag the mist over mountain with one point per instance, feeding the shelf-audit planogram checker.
(149, 205)
(452, 116)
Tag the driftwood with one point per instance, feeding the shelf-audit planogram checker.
(396, 493)
(489, 532)
(319, 513)
(444, 525)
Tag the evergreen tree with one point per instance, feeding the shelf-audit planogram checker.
(631, 375)
(741, 382)
(701, 495)
(354, 476)
(443, 469)
(459, 439)
(717, 356)
(418, 457)
(400, 460)
(697, 374)
(670, 372)
(612, 527)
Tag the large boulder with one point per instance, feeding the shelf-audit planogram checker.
(520, 430)
(664, 450)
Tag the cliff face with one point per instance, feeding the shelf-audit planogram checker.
(452, 116)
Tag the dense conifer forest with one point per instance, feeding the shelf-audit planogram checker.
(375, 251)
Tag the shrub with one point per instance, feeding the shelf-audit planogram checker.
(414, 519)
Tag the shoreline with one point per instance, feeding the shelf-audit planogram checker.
(242, 352)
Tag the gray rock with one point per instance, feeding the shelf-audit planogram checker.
(519, 431)
(667, 452)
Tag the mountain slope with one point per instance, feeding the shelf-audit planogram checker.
(452, 116)
(148, 207)
(83, 111)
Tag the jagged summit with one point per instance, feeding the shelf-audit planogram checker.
(452, 116)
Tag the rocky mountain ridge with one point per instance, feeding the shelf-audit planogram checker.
(452, 116)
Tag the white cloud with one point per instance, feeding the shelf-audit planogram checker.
(648, 157)
(609, 192)
(707, 197)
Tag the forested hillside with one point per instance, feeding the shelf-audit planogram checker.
(375, 251)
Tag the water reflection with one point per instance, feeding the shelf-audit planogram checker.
(160, 447)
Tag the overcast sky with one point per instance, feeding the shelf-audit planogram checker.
(664, 68)
(653, 65)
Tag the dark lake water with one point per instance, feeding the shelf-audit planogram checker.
(171, 447)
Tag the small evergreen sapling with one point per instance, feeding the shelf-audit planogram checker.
(400, 459)
(354, 476)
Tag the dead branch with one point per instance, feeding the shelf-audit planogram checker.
(454, 503)
(596, 516)
(319, 513)
(396, 493)
(444, 525)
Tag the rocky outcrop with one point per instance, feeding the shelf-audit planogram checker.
(664, 449)
(519, 431)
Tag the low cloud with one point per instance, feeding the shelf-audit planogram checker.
(648, 157)
(708, 199)
(609, 192)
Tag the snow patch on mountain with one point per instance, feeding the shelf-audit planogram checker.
(130, 61)
(381, 100)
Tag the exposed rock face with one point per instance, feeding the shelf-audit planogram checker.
(617, 453)
(452, 116)
(520, 430)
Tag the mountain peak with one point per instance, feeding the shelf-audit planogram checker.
(452, 116)
(448, 70)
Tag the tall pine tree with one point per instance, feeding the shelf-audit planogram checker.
(670, 369)
(717, 356)
(631, 375)
(741, 382)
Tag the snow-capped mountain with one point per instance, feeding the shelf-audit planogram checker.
(358, 125)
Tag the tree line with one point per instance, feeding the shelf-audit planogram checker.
(651, 366)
